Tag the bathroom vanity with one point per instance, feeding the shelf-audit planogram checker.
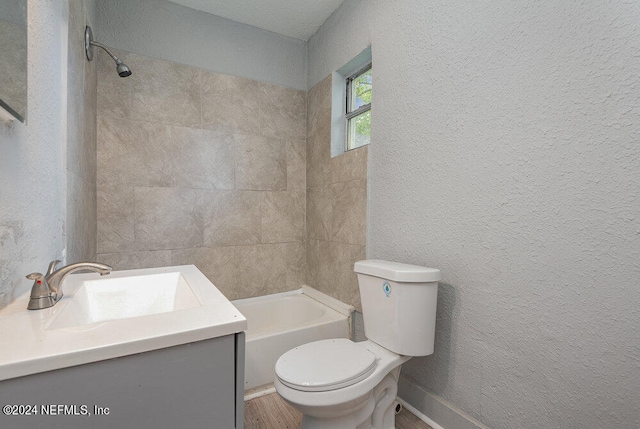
(154, 348)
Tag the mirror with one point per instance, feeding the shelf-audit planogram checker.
(13, 57)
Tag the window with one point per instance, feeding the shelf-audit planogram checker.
(351, 104)
(358, 108)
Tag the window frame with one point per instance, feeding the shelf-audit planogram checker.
(351, 114)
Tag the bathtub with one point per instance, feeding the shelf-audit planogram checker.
(280, 322)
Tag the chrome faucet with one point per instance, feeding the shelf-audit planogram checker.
(47, 289)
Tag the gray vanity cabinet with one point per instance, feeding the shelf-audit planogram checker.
(196, 385)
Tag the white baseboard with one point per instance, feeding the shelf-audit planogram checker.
(418, 414)
(257, 392)
(437, 412)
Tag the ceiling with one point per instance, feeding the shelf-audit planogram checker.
(294, 18)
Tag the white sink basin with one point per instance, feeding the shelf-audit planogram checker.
(121, 298)
(124, 313)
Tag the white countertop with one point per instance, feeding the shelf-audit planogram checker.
(29, 346)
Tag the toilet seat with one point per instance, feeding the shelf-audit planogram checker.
(325, 365)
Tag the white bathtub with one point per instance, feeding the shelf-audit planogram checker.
(280, 322)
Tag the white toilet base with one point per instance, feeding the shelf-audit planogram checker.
(377, 411)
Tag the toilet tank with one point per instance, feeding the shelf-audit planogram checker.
(399, 305)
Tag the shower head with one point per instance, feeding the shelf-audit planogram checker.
(122, 69)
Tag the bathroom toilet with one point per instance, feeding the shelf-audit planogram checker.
(341, 384)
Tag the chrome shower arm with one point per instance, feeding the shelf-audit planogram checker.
(100, 45)
(122, 69)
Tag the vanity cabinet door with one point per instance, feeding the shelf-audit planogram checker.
(188, 386)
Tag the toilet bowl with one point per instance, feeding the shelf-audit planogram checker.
(341, 384)
(337, 383)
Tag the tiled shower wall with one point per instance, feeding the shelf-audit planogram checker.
(80, 225)
(201, 168)
(336, 204)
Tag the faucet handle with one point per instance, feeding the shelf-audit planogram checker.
(52, 266)
(40, 294)
(40, 287)
(35, 276)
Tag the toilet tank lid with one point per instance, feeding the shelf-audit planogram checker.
(397, 272)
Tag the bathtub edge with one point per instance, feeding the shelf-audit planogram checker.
(331, 302)
(269, 297)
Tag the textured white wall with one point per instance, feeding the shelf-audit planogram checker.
(505, 151)
(31, 156)
(165, 30)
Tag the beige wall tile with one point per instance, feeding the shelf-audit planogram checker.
(261, 163)
(81, 216)
(319, 213)
(165, 92)
(343, 257)
(115, 219)
(76, 105)
(349, 212)
(319, 107)
(133, 153)
(263, 269)
(319, 133)
(75, 53)
(230, 103)
(81, 138)
(320, 272)
(236, 187)
(296, 165)
(282, 216)
(330, 269)
(90, 80)
(81, 219)
(113, 91)
(167, 218)
(202, 159)
(136, 260)
(248, 271)
(282, 112)
(218, 264)
(296, 259)
(351, 165)
(244, 271)
(318, 160)
(81, 87)
(232, 218)
(114, 101)
(89, 155)
(336, 204)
